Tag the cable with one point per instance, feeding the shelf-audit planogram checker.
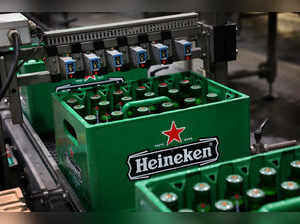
(29, 57)
(12, 70)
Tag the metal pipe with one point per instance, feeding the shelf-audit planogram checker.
(280, 145)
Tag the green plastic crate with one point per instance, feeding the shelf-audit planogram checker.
(95, 158)
(36, 99)
(148, 191)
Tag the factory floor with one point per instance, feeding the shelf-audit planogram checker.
(284, 111)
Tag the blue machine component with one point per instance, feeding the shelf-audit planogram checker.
(118, 60)
(160, 52)
(142, 56)
(183, 49)
(68, 66)
(139, 56)
(92, 63)
(163, 52)
(187, 48)
(115, 59)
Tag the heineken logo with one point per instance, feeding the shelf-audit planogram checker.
(144, 164)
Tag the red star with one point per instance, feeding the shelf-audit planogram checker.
(89, 77)
(173, 133)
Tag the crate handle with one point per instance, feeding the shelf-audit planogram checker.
(70, 132)
(141, 103)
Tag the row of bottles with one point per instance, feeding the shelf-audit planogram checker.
(235, 198)
(105, 104)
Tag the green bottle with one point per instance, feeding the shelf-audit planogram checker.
(72, 102)
(142, 111)
(234, 189)
(186, 210)
(189, 102)
(295, 171)
(94, 100)
(196, 92)
(167, 106)
(80, 109)
(104, 111)
(202, 202)
(174, 95)
(140, 92)
(163, 89)
(255, 199)
(117, 99)
(289, 189)
(91, 119)
(212, 97)
(184, 86)
(170, 199)
(224, 206)
(127, 99)
(149, 95)
(268, 178)
(116, 115)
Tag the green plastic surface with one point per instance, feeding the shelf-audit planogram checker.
(36, 99)
(98, 166)
(148, 191)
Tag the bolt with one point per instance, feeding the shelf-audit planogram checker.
(11, 33)
(32, 25)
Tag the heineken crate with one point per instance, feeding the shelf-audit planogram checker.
(116, 132)
(262, 182)
(36, 99)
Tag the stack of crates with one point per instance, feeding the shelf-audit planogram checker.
(265, 182)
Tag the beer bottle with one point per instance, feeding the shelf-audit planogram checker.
(224, 206)
(185, 210)
(295, 171)
(289, 189)
(170, 199)
(116, 115)
(211, 97)
(104, 111)
(141, 111)
(72, 102)
(268, 177)
(126, 99)
(174, 95)
(149, 95)
(94, 100)
(234, 189)
(167, 106)
(189, 102)
(91, 119)
(163, 89)
(117, 96)
(140, 92)
(80, 109)
(184, 86)
(196, 92)
(255, 198)
(202, 201)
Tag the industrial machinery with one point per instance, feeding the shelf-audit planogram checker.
(119, 109)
